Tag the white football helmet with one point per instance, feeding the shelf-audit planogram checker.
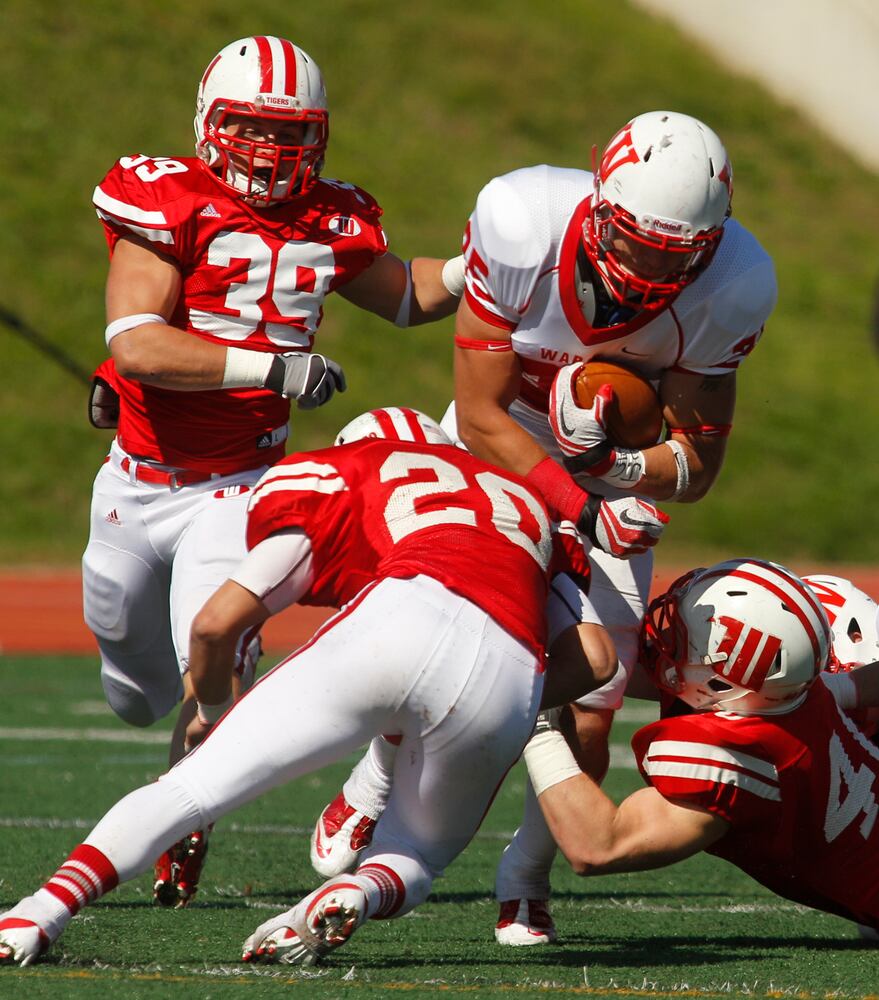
(278, 152)
(744, 636)
(853, 621)
(396, 423)
(663, 189)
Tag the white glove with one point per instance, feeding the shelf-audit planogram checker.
(624, 527)
(310, 379)
(580, 432)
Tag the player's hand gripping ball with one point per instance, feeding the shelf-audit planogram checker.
(632, 415)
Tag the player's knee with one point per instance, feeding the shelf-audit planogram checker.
(128, 702)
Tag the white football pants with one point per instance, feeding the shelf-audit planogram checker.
(405, 657)
(154, 556)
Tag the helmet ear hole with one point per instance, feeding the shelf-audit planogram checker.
(718, 686)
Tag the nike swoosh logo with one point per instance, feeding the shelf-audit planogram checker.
(634, 354)
(626, 519)
(568, 431)
(498, 347)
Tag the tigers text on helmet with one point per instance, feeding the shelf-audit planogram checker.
(744, 636)
(261, 120)
(663, 189)
(396, 423)
(853, 621)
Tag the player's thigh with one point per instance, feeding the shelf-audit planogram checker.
(445, 779)
(209, 551)
(619, 592)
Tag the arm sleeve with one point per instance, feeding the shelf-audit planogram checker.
(278, 570)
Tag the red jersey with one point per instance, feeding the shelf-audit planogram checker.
(799, 791)
(376, 508)
(252, 278)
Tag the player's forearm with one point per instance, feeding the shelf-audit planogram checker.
(169, 358)
(214, 637)
(683, 474)
(436, 291)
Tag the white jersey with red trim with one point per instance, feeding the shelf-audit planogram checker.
(375, 508)
(799, 791)
(252, 278)
(521, 250)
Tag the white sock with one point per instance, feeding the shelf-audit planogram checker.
(523, 871)
(369, 785)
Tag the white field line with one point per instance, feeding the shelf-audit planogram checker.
(620, 753)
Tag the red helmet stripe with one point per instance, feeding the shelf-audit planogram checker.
(289, 55)
(414, 426)
(207, 72)
(800, 614)
(266, 67)
(386, 425)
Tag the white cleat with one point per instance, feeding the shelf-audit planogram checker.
(339, 837)
(316, 925)
(21, 941)
(524, 922)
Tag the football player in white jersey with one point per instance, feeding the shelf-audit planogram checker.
(638, 263)
(220, 266)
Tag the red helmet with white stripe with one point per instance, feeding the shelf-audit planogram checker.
(853, 621)
(744, 636)
(396, 423)
(261, 120)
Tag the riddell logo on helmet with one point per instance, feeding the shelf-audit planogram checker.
(666, 226)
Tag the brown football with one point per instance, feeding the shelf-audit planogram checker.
(634, 419)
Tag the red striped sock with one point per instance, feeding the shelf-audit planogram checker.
(385, 884)
(84, 877)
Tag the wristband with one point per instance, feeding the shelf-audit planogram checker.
(564, 498)
(683, 467)
(130, 322)
(246, 368)
(209, 714)
(453, 276)
(402, 317)
(627, 469)
(549, 760)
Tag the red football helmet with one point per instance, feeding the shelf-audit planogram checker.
(261, 120)
(744, 636)
(396, 423)
(663, 189)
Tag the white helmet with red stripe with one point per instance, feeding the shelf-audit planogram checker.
(261, 120)
(853, 621)
(744, 636)
(396, 423)
(663, 190)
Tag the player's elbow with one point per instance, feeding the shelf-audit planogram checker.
(583, 859)
(131, 356)
(210, 628)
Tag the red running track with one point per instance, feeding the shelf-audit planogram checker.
(41, 611)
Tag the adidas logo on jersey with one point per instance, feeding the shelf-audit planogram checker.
(209, 212)
(113, 517)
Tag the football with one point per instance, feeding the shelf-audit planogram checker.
(634, 418)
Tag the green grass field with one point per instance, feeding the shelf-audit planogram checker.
(701, 929)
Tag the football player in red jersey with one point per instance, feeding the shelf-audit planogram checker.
(220, 265)
(417, 541)
(768, 772)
